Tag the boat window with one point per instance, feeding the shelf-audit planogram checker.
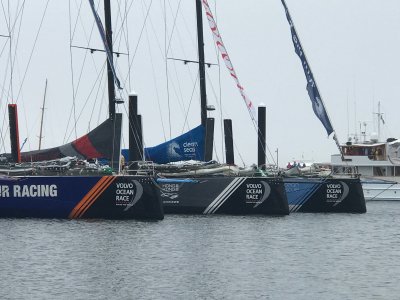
(379, 171)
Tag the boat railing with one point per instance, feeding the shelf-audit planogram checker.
(351, 171)
(143, 168)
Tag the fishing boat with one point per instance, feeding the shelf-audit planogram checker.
(67, 181)
(378, 163)
(339, 193)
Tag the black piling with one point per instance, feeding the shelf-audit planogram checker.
(135, 130)
(209, 142)
(261, 135)
(230, 157)
(14, 134)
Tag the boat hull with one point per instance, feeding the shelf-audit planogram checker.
(381, 190)
(224, 195)
(344, 195)
(75, 197)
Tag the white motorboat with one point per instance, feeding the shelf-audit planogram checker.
(378, 163)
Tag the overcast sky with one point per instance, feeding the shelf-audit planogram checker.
(353, 47)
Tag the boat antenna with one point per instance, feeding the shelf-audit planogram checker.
(202, 72)
(41, 119)
(380, 119)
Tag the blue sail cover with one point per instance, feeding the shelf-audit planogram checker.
(188, 146)
(312, 88)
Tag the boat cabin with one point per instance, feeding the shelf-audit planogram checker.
(381, 159)
(372, 151)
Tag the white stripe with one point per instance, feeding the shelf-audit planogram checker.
(224, 195)
(221, 195)
(227, 196)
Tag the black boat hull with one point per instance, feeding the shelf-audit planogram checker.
(224, 195)
(80, 197)
(342, 195)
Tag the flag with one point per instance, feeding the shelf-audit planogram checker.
(226, 59)
(312, 88)
(104, 39)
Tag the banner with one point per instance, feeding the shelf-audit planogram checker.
(312, 88)
(103, 37)
(226, 58)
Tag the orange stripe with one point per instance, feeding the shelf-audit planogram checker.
(95, 197)
(78, 207)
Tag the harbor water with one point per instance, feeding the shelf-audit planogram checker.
(300, 256)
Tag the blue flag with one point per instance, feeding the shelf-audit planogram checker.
(312, 88)
(188, 146)
(104, 39)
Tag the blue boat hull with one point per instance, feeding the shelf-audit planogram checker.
(325, 195)
(74, 197)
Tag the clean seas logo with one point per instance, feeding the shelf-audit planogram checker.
(257, 193)
(336, 192)
(174, 150)
(186, 150)
(128, 193)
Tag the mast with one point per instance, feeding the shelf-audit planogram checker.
(110, 76)
(202, 72)
(41, 120)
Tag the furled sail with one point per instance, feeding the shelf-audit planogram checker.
(104, 39)
(188, 146)
(98, 143)
(312, 89)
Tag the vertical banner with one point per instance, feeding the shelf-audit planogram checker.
(312, 89)
(226, 58)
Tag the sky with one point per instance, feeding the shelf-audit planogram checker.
(352, 46)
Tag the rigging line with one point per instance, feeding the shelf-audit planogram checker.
(33, 48)
(190, 103)
(75, 90)
(155, 83)
(174, 24)
(140, 37)
(178, 91)
(4, 12)
(120, 30)
(21, 11)
(10, 56)
(127, 44)
(17, 16)
(99, 80)
(220, 85)
(120, 33)
(166, 68)
(72, 72)
(79, 8)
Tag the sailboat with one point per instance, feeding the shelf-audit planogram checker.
(321, 194)
(50, 183)
(192, 183)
